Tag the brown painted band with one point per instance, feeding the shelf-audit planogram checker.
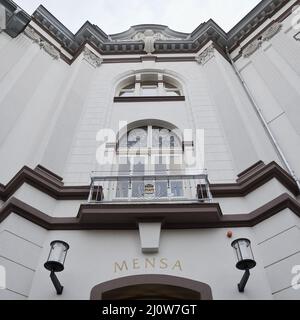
(172, 216)
(149, 99)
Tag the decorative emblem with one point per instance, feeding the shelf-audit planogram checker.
(46, 46)
(266, 36)
(91, 58)
(149, 37)
(31, 34)
(206, 55)
(251, 48)
(149, 189)
(272, 31)
(50, 49)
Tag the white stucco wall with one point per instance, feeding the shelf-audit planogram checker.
(50, 113)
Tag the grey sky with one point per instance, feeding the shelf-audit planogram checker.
(114, 16)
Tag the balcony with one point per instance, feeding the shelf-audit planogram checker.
(149, 188)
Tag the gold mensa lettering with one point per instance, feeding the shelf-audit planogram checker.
(177, 265)
(136, 264)
(119, 267)
(164, 263)
(150, 263)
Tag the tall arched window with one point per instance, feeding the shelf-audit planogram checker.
(151, 165)
(154, 152)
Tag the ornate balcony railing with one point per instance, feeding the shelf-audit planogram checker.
(120, 188)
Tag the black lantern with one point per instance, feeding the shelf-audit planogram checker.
(245, 259)
(56, 261)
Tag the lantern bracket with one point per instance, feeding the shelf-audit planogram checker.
(244, 281)
(59, 288)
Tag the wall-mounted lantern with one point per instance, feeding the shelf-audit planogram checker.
(245, 259)
(56, 261)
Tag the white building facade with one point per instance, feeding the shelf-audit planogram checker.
(92, 131)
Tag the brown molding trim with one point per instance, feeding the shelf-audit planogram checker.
(45, 181)
(178, 288)
(51, 174)
(50, 183)
(253, 178)
(149, 99)
(173, 216)
(158, 59)
(250, 169)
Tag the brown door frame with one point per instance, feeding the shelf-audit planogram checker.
(110, 290)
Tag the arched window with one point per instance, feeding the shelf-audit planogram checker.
(149, 85)
(149, 164)
(153, 151)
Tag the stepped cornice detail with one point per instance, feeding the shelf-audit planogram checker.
(130, 42)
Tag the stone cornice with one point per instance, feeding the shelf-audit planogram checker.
(16, 18)
(115, 44)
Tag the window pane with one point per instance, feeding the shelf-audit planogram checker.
(123, 186)
(169, 86)
(138, 189)
(126, 93)
(122, 189)
(177, 188)
(137, 138)
(164, 138)
(160, 167)
(149, 91)
(130, 86)
(124, 169)
(161, 189)
(172, 93)
(139, 165)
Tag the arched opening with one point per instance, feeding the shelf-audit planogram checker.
(150, 148)
(147, 163)
(152, 287)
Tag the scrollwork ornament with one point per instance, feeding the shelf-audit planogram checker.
(91, 58)
(206, 55)
(272, 31)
